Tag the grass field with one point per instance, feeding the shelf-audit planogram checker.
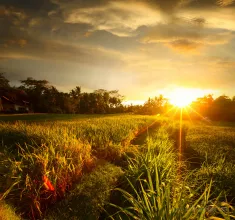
(115, 166)
(45, 117)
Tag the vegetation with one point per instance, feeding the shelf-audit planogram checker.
(117, 166)
(45, 98)
(7, 212)
(41, 162)
(87, 199)
(214, 145)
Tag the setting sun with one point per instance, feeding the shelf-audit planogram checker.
(182, 97)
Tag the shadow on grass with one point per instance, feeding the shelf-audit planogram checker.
(146, 132)
(41, 117)
(10, 139)
(86, 201)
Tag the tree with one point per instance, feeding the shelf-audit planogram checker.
(4, 83)
(203, 106)
(222, 109)
(75, 95)
(155, 105)
(37, 91)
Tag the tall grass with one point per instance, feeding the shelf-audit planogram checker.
(7, 212)
(41, 162)
(57, 164)
(215, 145)
(42, 175)
(87, 199)
(154, 189)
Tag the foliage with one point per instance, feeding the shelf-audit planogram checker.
(45, 98)
(7, 212)
(215, 146)
(159, 191)
(4, 83)
(220, 109)
(87, 199)
(41, 162)
(63, 165)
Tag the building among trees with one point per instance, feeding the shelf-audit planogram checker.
(9, 106)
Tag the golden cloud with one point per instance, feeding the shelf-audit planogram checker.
(185, 45)
(115, 17)
(225, 3)
(22, 42)
(186, 37)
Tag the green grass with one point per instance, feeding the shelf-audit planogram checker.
(39, 117)
(87, 199)
(155, 189)
(60, 151)
(7, 212)
(59, 166)
(215, 146)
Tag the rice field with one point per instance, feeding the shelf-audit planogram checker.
(114, 167)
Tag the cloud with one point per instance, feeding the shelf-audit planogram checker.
(30, 5)
(221, 63)
(211, 3)
(225, 3)
(186, 37)
(216, 18)
(115, 17)
(18, 42)
(53, 50)
(104, 43)
(168, 6)
(184, 45)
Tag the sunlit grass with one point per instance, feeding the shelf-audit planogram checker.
(7, 212)
(44, 163)
(41, 162)
(154, 190)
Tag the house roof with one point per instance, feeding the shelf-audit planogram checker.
(8, 100)
(17, 102)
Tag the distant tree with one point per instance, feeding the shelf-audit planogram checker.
(222, 109)
(75, 95)
(4, 82)
(115, 99)
(37, 91)
(203, 106)
(84, 103)
(155, 105)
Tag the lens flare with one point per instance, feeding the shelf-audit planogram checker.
(182, 97)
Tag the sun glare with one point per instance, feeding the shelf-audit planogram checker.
(182, 97)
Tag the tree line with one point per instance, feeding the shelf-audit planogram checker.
(221, 108)
(45, 98)
(206, 108)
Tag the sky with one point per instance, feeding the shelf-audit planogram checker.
(139, 47)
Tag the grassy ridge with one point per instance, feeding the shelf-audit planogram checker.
(41, 162)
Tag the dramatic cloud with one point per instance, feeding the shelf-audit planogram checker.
(137, 46)
(52, 50)
(187, 36)
(115, 17)
(184, 45)
(211, 3)
(30, 5)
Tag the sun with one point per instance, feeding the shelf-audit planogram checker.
(182, 97)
